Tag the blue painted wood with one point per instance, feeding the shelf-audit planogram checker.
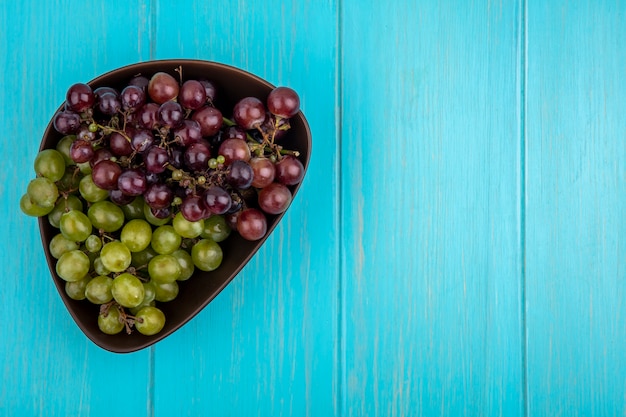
(575, 205)
(430, 209)
(48, 367)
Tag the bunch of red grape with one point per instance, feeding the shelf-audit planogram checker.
(148, 180)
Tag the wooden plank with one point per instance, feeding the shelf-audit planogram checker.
(49, 368)
(431, 220)
(266, 344)
(576, 234)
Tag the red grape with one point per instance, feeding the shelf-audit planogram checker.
(249, 112)
(105, 174)
(264, 172)
(251, 224)
(192, 95)
(80, 97)
(233, 150)
(289, 170)
(210, 120)
(283, 102)
(162, 87)
(275, 198)
(66, 122)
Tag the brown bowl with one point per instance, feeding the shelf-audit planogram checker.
(197, 292)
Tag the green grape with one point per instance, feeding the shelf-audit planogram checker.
(76, 290)
(147, 214)
(42, 192)
(49, 163)
(85, 168)
(165, 291)
(150, 321)
(93, 244)
(149, 292)
(216, 228)
(90, 191)
(136, 234)
(135, 310)
(59, 245)
(165, 240)
(164, 268)
(73, 265)
(106, 216)
(142, 258)
(134, 209)
(31, 209)
(127, 290)
(186, 264)
(75, 225)
(99, 267)
(110, 322)
(185, 228)
(70, 180)
(63, 205)
(206, 255)
(63, 146)
(115, 256)
(98, 290)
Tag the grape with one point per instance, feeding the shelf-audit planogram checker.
(185, 228)
(118, 197)
(63, 146)
(79, 97)
(188, 132)
(59, 245)
(132, 182)
(62, 206)
(84, 133)
(165, 291)
(283, 102)
(141, 140)
(210, 120)
(240, 175)
(50, 164)
(164, 269)
(132, 98)
(289, 170)
(275, 198)
(215, 228)
(42, 192)
(197, 156)
(90, 191)
(119, 145)
(81, 151)
(147, 116)
(264, 172)
(209, 89)
(251, 224)
(217, 200)
(171, 114)
(109, 103)
(76, 289)
(66, 122)
(105, 174)
(162, 87)
(141, 258)
(106, 216)
(140, 81)
(115, 256)
(193, 209)
(69, 181)
(156, 160)
(98, 290)
(136, 235)
(31, 209)
(186, 264)
(93, 244)
(73, 265)
(134, 209)
(150, 321)
(75, 225)
(151, 218)
(249, 112)
(234, 150)
(192, 95)
(110, 322)
(127, 290)
(206, 255)
(101, 154)
(158, 196)
(165, 240)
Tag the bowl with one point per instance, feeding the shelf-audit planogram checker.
(197, 292)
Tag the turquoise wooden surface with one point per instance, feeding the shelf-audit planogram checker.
(457, 247)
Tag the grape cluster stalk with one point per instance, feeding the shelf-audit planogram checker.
(149, 179)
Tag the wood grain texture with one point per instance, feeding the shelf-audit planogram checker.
(430, 197)
(576, 183)
(48, 367)
(267, 344)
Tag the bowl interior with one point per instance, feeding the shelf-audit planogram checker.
(232, 85)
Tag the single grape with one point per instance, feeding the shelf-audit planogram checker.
(264, 172)
(251, 224)
(207, 255)
(63, 146)
(76, 289)
(98, 290)
(283, 102)
(186, 264)
(31, 209)
(188, 132)
(158, 196)
(59, 245)
(210, 120)
(73, 265)
(233, 150)
(81, 151)
(141, 140)
(50, 164)
(106, 216)
(119, 198)
(165, 240)
(101, 154)
(150, 321)
(156, 160)
(147, 116)
(140, 259)
(43, 192)
(275, 198)
(289, 170)
(119, 144)
(132, 98)
(140, 81)
(217, 200)
(134, 209)
(197, 156)
(127, 290)
(215, 228)
(249, 112)
(66, 122)
(162, 87)
(115, 256)
(209, 89)
(132, 182)
(110, 322)
(192, 95)
(90, 191)
(109, 103)
(93, 244)
(185, 228)
(240, 175)
(165, 291)
(164, 268)
(105, 174)
(75, 225)
(192, 208)
(136, 235)
(80, 97)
